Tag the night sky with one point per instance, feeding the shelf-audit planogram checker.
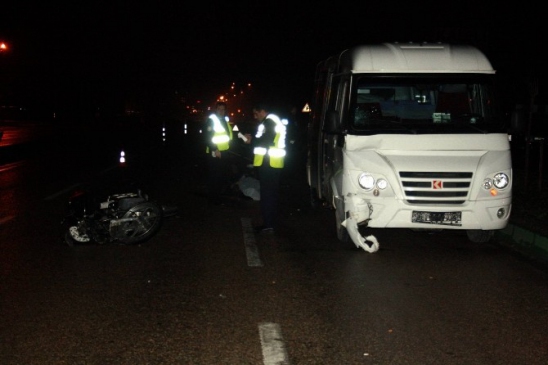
(99, 53)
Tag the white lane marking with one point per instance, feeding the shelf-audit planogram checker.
(274, 352)
(251, 250)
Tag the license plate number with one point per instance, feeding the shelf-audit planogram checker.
(444, 218)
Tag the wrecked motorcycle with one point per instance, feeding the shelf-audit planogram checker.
(128, 218)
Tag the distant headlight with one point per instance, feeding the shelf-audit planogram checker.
(366, 181)
(501, 180)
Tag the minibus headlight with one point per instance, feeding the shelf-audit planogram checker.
(366, 181)
(382, 184)
(501, 180)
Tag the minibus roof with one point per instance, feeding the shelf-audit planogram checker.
(414, 58)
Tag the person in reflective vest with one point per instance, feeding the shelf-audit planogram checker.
(219, 131)
(218, 139)
(268, 158)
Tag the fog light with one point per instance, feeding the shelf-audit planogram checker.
(500, 213)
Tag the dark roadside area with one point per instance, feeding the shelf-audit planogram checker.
(527, 233)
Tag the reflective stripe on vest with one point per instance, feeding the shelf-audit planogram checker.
(276, 152)
(221, 137)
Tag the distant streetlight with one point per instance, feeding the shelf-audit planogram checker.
(3, 47)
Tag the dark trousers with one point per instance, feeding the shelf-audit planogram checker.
(219, 176)
(270, 189)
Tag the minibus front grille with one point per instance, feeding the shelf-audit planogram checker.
(436, 187)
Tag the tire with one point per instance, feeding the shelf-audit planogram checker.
(148, 222)
(72, 236)
(68, 240)
(479, 236)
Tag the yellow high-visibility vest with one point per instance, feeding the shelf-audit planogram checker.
(221, 137)
(276, 152)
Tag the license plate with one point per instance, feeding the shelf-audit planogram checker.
(444, 218)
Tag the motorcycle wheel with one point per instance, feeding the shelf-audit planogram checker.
(73, 236)
(146, 221)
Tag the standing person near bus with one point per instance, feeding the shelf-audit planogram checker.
(268, 158)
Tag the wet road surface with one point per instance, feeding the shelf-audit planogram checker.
(206, 290)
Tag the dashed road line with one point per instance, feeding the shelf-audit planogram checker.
(251, 250)
(272, 343)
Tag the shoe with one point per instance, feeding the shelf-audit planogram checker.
(264, 230)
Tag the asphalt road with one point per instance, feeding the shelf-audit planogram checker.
(206, 290)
